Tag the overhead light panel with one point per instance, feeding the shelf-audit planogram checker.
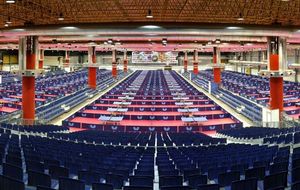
(240, 18)
(10, 1)
(61, 17)
(149, 15)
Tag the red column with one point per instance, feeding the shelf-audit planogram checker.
(276, 85)
(41, 60)
(217, 71)
(125, 62)
(28, 82)
(114, 71)
(195, 64)
(92, 72)
(185, 62)
(67, 58)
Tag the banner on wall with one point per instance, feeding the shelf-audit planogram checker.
(154, 57)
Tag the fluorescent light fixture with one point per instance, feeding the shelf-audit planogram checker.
(240, 18)
(69, 28)
(150, 27)
(149, 15)
(10, 1)
(234, 28)
(61, 17)
(110, 41)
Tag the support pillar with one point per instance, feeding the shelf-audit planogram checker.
(92, 71)
(114, 71)
(41, 59)
(67, 58)
(125, 62)
(195, 63)
(28, 50)
(216, 60)
(185, 61)
(276, 45)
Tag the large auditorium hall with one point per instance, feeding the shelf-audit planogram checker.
(149, 95)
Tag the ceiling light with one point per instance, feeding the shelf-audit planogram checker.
(149, 15)
(8, 21)
(10, 1)
(150, 27)
(240, 18)
(61, 17)
(233, 28)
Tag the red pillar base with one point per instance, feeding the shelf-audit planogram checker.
(28, 99)
(92, 80)
(114, 70)
(276, 93)
(185, 65)
(41, 64)
(125, 66)
(217, 75)
(195, 70)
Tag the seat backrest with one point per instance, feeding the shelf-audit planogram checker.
(296, 174)
(170, 181)
(35, 166)
(137, 188)
(141, 181)
(197, 179)
(176, 188)
(9, 183)
(102, 186)
(275, 180)
(67, 184)
(247, 184)
(89, 177)
(115, 179)
(12, 171)
(43, 188)
(225, 179)
(37, 178)
(57, 171)
(257, 172)
(209, 187)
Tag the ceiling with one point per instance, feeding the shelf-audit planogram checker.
(241, 25)
(254, 12)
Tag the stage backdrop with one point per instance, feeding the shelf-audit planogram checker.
(154, 57)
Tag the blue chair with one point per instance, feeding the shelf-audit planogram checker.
(12, 171)
(116, 180)
(35, 166)
(247, 184)
(257, 172)
(43, 188)
(67, 184)
(57, 172)
(141, 181)
(296, 174)
(195, 180)
(225, 179)
(89, 177)
(102, 186)
(279, 167)
(137, 188)
(7, 183)
(209, 187)
(170, 181)
(296, 186)
(38, 179)
(275, 180)
(175, 188)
